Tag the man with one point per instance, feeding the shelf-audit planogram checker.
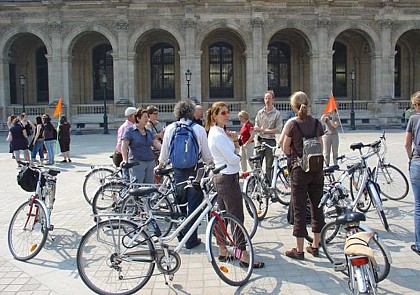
(198, 115)
(184, 113)
(268, 123)
(130, 120)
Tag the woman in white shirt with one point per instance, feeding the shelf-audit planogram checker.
(222, 146)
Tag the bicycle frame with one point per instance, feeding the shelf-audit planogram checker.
(35, 199)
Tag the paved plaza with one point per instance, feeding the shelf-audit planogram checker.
(54, 270)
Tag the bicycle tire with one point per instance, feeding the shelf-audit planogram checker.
(283, 186)
(355, 180)
(107, 266)
(332, 242)
(229, 231)
(393, 184)
(250, 221)
(383, 219)
(109, 196)
(255, 191)
(27, 234)
(95, 178)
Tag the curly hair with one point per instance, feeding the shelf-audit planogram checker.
(184, 109)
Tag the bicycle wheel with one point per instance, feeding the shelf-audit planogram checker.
(392, 182)
(95, 178)
(108, 265)
(283, 186)
(355, 181)
(109, 197)
(27, 231)
(255, 191)
(250, 220)
(227, 231)
(333, 238)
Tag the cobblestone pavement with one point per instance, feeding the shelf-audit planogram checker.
(54, 270)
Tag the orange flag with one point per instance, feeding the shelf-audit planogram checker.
(58, 108)
(331, 106)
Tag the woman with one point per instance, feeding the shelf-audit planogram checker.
(154, 125)
(29, 127)
(246, 141)
(50, 136)
(412, 147)
(64, 138)
(137, 147)
(303, 184)
(38, 141)
(222, 146)
(19, 140)
(330, 138)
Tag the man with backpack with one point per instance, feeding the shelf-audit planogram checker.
(185, 147)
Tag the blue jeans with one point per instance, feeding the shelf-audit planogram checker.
(415, 184)
(38, 148)
(190, 195)
(49, 145)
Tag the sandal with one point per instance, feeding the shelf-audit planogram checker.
(223, 258)
(256, 264)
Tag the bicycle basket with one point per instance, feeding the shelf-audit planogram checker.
(27, 179)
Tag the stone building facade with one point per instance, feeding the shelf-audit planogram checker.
(137, 52)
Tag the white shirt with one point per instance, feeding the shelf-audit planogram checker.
(223, 150)
(200, 133)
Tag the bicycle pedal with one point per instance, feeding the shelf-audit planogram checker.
(384, 199)
(339, 266)
(51, 227)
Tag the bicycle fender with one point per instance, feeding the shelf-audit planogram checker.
(245, 184)
(379, 240)
(208, 228)
(42, 204)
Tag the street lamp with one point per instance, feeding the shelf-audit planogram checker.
(270, 75)
(352, 123)
(104, 82)
(188, 79)
(22, 82)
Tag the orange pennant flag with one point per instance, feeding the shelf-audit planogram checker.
(331, 106)
(58, 108)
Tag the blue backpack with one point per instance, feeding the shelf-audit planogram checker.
(184, 151)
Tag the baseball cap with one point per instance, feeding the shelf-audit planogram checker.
(129, 111)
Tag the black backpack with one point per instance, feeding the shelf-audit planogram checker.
(27, 179)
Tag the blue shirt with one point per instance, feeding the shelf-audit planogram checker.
(140, 146)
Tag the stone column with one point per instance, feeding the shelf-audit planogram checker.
(55, 69)
(131, 77)
(385, 81)
(4, 88)
(256, 63)
(189, 59)
(321, 61)
(120, 63)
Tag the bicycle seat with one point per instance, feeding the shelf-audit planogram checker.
(349, 217)
(53, 172)
(143, 191)
(164, 171)
(356, 146)
(331, 169)
(256, 158)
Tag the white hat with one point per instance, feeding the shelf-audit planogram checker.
(129, 111)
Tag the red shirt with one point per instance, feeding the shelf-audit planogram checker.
(246, 132)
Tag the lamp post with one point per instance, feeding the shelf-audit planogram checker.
(188, 79)
(22, 82)
(352, 123)
(104, 82)
(270, 75)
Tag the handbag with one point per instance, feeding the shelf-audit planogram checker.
(9, 137)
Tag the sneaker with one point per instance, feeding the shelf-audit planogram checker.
(294, 254)
(415, 249)
(69, 160)
(64, 161)
(313, 251)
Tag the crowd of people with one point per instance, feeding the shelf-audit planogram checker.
(38, 138)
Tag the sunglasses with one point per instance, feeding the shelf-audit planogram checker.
(224, 113)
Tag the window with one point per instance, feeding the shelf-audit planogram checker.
(339, 70)
(162, 71)
(103, 72)
(279, 69)
(42, 75)
(397, 72)
(221, 71)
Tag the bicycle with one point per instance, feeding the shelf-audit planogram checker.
(118, 256)
(31, 222)
(257, 187)
(167, 211)
(393, 184)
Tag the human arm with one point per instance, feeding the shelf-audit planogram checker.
(124, 151)
(408, 144)
(287, 141)
(156, 144)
